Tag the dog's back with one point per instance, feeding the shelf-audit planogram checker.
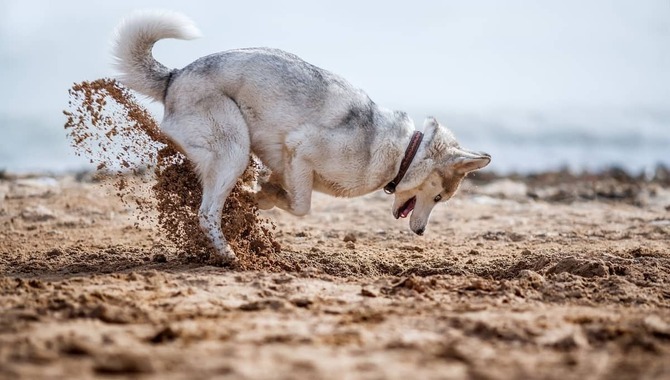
(270, 86)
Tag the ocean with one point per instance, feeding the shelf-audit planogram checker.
(468, 56)
(578, 139)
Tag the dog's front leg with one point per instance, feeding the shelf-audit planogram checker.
(298, 183)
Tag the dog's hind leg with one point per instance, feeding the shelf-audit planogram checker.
(215, 138)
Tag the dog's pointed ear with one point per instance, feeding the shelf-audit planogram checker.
(429, 125)
(438, 139)
(466, 162)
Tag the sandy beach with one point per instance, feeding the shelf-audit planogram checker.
(549, 276)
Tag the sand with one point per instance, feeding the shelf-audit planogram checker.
(546, 276)
(550, 276)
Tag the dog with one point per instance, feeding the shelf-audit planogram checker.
(312, 129)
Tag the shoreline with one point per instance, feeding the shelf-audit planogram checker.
(660, 173)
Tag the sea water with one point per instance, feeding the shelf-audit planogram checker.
(579, 139)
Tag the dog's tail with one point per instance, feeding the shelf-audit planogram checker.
(133, 40)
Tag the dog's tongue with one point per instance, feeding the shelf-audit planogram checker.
(407, 207)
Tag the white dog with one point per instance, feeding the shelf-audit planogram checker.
(310, 127)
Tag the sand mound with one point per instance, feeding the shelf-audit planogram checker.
(106, 124)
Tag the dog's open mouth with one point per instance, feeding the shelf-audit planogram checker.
(406, 208)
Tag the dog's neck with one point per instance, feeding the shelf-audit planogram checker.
(408, 157)
(423, 163)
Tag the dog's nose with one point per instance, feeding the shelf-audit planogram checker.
(420, 231)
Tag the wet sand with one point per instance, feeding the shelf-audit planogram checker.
(549, 277)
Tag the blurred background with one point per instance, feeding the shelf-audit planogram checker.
(540, 85)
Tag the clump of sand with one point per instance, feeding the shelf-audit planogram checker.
(106, 124)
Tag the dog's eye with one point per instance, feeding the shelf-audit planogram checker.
(438, 198)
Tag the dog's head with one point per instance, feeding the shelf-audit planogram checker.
(435, 175)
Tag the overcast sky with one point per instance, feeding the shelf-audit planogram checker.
(411, 55)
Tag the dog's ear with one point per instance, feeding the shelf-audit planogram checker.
(438, 139)
(466, 162)
(444, 147)
(430, 125)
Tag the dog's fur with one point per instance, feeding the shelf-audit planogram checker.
(310, 127)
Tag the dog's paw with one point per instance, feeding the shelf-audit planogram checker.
(223, 259)
(267, 197)
(222, 254)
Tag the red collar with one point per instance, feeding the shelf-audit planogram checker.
(410, 152)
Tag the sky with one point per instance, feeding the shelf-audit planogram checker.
(512, 77)
(419, 55)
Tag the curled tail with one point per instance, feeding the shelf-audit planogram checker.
(133, 40)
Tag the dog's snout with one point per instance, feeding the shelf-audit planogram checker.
(420, 231)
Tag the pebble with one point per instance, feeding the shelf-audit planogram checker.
(34, 187)
(656, 325)
(506, 189)
(532, 278)
(580, 267)
(350, 237)
(37, 214)
(368, 293)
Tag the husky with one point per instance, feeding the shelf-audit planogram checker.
(311, 128)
